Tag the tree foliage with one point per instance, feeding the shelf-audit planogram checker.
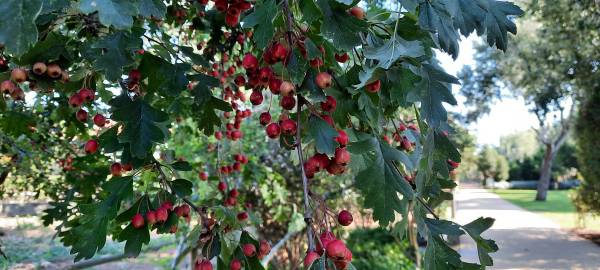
(101, 90)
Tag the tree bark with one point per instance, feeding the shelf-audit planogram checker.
(545, 174)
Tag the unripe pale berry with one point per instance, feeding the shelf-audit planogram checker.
(323, 80)
(54, 71)
(18, 75)
(39, 68)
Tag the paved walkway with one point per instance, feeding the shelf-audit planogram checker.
(526, 240)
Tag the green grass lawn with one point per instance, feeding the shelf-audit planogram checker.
(558, 207)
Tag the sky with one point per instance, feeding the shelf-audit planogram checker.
(507, 116)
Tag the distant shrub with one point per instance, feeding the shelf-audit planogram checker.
(377, 249)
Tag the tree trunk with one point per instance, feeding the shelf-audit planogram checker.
(545, 174)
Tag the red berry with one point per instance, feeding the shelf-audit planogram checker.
(323, 80)
(87, 94)
(81, 115)
(342, 138)
(256, 98)
(310, 258)
(264, 248)
(173, 228)
(90, 146)
(7, 87)
(137, 221)
(203, 176)
(203, 265)
(162, 214)
(115, 169)
(274, 85)
(265, 74)
(453, 163)
(218, 135)
(99, 120)
(249, 250)
(75, 100)
(234, 193)
(336, 249)
(316, 63)
(265, 118)
(273, 130)
(329, 104)
(358, 12)
(127, 167)
(342, 58)
(235, 265)
(288, 127)
(232, 20)
(325, 238)
(250, 62)
(335, 169)
(167, 205)
(374, 86)
(279, 52)
(287, 102)
(135, 76)
(222, 186)
(342, 156)
(242, 216)
(345, 218)
(240, 80)
(328, 119)
(151, 217)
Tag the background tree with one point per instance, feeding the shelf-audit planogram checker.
(492, 164)
(543, 66)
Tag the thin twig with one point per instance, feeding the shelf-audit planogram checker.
(307, 210)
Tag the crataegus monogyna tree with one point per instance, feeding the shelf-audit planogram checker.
(107, 82)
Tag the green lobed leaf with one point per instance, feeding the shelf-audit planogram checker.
(134, 239)
(141, 124)
(434, 16)
(48, 50)
(17, 24)
(433, 89)
(169, 79)
(182, 187)
(379, 182)
(181, 166)
(338, 26)
(323, 134)
(88, 234)
(116, 13)
(262, 22)
(389, 51)
(484, 246)
(115, 51)
(152, 8)
(439, 256)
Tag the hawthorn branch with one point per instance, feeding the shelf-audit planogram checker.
(307, 210)
(163, 178)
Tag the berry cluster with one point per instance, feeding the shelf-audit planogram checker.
(160, 215)
(18, 76)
